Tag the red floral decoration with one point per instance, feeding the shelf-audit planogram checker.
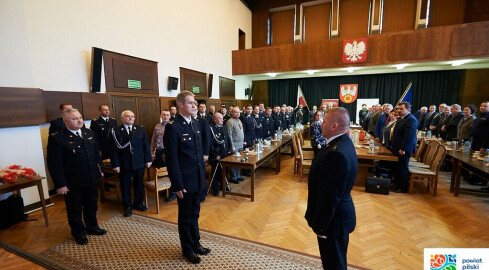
(16, 173)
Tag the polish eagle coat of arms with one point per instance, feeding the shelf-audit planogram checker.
(355, 50)
(348, 93)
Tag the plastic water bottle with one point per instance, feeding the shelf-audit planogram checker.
(467, 147)
(428, 134)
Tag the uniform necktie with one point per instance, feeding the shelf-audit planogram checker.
(129, 130)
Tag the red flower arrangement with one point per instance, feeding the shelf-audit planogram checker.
(15, 173)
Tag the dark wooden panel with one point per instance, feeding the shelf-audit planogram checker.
(21, 107)
(418, 46)
(227, 88)
(446, 12)
(52, 100)
(91, 102)
(190, 79)
(122, 103)
(265, 60)
(354, 18)
(260, 92)
(398, 15)
(316, 22)
(167, 102)
(470, 41)
(476, 11)
(120, 68)
(212, 101)
(282, 27)
(259, 28)
(473, 84)
(148, 114)
(228, 102)
(308, 55)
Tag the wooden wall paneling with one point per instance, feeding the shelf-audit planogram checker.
(470, 40)
(316, 22)
(261, 93)
(446, 12)
(52, 100)
(398, 15)
(473, 84)
(191, 79)
(91, 103)
(21, 107)
(476, 11)
(122, 103)
(265, 59)
(308, 55)
(227, 88)
(424, 44)
(259, 28)
(243, 102)
(354, 18)
(282, 27)
(167, 102)
(120, 68)
(148, 114)
(212, 101)
(228, 102)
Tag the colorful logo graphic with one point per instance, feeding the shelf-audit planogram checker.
(443, 262)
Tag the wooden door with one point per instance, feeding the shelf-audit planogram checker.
(148, 114)
(120, 104)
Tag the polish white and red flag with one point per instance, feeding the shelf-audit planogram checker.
(301, 99)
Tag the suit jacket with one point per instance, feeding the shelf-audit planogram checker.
(248, 129)
(184, 155)
(73, 162)
(206, 135)
(452, 126)
(56, 125)
(379, 126)
(330, 210)
(404, 135)
(124, 158)
(421, 119)
(101, 129)
(221, 145)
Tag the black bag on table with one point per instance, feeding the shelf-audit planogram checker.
(377, 185)
(12, 211)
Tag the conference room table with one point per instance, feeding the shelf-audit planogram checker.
(461, 161)
(366, 159)
(251, 161)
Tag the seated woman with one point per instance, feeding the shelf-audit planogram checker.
(465, 125)
(317, 139)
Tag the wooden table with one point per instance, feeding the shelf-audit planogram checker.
(461, 161)
(365, 160)
(25, 184)
(253, 162)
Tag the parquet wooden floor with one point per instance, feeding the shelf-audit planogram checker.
(391, 230)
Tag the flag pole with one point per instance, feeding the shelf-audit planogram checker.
(404, 94)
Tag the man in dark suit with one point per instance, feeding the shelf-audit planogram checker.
(74, 163)
(173, 113)
(435, 121)
(101, 127)
(255, 116)
(429, 117)
(330, 210)
(58, 124)
(451, 126)
(131, 154)
(186, 168)
(268, 123)
(221, 147)
(403, 145)
(421, 117)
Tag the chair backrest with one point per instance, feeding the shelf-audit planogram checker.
(294, 144)
(421, 149)
(430, 152)
(301, 137)
(299, 147)
(438, 159)
(160, 173)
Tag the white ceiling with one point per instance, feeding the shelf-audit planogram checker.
(479, 63)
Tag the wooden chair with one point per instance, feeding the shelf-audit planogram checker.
(305, 144)
(427, 158)
(111, 178)
(308, 154)
(428, 176)
(160, 182)
(303, 163)
(420, 151)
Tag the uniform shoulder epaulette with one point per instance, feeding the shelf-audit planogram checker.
(95, 119)
(112, 118)
(170, 122)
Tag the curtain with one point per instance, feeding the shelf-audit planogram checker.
(428, 88)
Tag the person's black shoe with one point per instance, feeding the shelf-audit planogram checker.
(228, 188)
(192, 258)
(202, 250)
(202, 199)
(141, 207)
(128, 212)
(97, 232)
(393, 187)
(172, 197)
(241, 178)
(81, 239)
(234, 181)
(399, 190)
(216, 192)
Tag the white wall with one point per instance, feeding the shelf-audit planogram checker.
(47, 44)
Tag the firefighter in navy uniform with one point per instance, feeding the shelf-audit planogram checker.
(268, 124)
(74, 162)
(248, 127)
(257, 122)
(221, 147)
(101, 127)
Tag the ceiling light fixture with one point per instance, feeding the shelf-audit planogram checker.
(272, 74)
(460, 62)
(351, 69)
(401, 66)
(310, 72)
